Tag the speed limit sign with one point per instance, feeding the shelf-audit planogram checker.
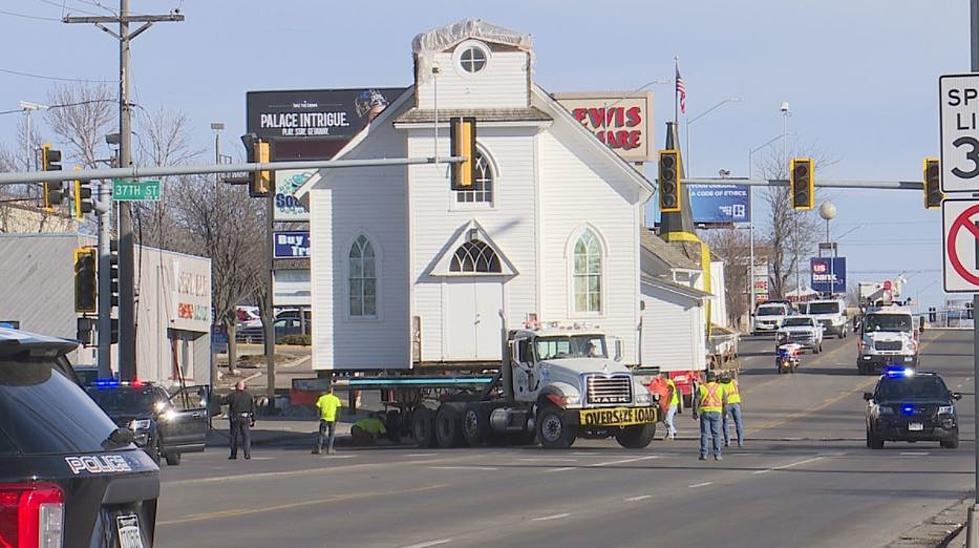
(959, 119)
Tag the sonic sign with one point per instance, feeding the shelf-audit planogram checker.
(621, 120)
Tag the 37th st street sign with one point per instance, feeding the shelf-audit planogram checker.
(959, 122)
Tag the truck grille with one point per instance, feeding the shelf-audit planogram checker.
(887, 345)
(800, 336)
(613, 390)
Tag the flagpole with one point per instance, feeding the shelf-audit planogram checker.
(676, 91)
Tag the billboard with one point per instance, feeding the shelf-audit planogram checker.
(287, 182)
(290, 244)
(327, 114)
(621, 120)
(720, 203)
(828, 274)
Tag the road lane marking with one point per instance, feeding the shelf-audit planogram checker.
(639, 498)
(463, 468)
(237, 512)
(702, 484)
(603, 464)
(914, 453)
(565, 469)
(799, 463)
(438, 542)
(765, 471)
(549, 518)
(549, 459)
(417, 455)
(298, 472)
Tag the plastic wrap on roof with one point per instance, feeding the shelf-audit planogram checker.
(427, 44)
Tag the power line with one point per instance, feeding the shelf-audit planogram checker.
(64, 7)
(26, 16)
(55, 78)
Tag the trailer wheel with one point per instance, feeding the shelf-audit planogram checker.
(636, 437)
(475, 424)
(423, 427)
(448, 427)
(392, 421)
(552, 428)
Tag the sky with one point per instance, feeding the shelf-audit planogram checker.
(861, 79)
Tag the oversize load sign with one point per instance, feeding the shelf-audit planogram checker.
(961, 245)
(959, 122)
(617, 416)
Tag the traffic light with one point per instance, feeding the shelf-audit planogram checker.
(932, 183)
(261, 182)
(114, 271)
(462, 136)
(669, 181)
(53, 192)
(82, 202)
(86, 280)
(802, 183)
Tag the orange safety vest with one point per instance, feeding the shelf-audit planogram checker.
(711, 398)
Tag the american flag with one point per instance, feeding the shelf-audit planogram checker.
(681, 91)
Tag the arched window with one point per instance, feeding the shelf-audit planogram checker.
(587, 273)
(363, 278)
(482, 188)
(475, 256)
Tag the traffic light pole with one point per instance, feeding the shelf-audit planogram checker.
(104, 327)
(972, 524)
(127, 290)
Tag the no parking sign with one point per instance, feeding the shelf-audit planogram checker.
(960, 219)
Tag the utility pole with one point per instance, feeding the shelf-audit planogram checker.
(972, 524)
(127, 290)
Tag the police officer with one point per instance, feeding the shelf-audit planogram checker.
(732, 410)
(241, 416)
(710, 403)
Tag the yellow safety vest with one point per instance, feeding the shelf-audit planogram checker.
(711, 397)
(675, 398)
(733, 393)
(328, 404)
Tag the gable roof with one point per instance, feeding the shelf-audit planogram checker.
(551, 106)
(691, 293)
(665, 251)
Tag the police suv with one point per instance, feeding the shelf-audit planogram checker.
(910, 406)
(68, 475)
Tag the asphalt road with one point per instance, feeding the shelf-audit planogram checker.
(804, 478)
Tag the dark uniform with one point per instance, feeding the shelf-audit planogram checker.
(241, 415)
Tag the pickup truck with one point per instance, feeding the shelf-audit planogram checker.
(803, 330)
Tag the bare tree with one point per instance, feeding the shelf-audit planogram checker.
(223, 223)
(792, 234)
(733, 247)
(81, 116)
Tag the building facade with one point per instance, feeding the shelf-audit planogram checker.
(407, 271)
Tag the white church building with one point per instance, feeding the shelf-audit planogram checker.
(407, 272)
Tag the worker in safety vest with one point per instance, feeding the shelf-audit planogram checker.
(710, 402)
(673, 399)
(732, 410)
(329, 406)
(367, 431)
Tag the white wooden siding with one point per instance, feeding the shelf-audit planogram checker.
(347, 203)
(436, 219)
(502, 84)
(672, 331)
(576, 194)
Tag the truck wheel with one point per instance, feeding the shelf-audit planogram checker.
(155, 451)
(475, 424)
(876, 442)
(173, 458)
(392, 421)
(636, 437)
(552, 428)
(448, 427)
(423, 427)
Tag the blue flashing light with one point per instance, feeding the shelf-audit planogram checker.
(896, 372)
(106, 383)
(907, 410)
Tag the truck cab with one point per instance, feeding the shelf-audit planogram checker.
(888, 338)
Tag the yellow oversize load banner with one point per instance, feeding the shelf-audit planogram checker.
(618, 416)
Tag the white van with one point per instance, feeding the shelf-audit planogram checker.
(831, 314)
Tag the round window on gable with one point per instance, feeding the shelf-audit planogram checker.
(473, 59)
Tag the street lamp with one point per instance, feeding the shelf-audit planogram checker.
(698, 117)
(29, 107)
(827, 210)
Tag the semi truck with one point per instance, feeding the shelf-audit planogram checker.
(555, 384)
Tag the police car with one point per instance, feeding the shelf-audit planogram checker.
(68, 475)
(166, 426)
(911, 406)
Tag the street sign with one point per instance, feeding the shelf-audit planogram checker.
(291, 244)
(960, 245)
(126, 190)
(959, 121)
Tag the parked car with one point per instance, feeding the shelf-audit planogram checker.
(68, 475)
(163, 425)
(803, 330)
(283, 327)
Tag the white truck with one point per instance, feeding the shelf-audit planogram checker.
(768, 317)
(888, 338)
(831, 314)
(877, 294)
(802, 330)
(555, 384)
